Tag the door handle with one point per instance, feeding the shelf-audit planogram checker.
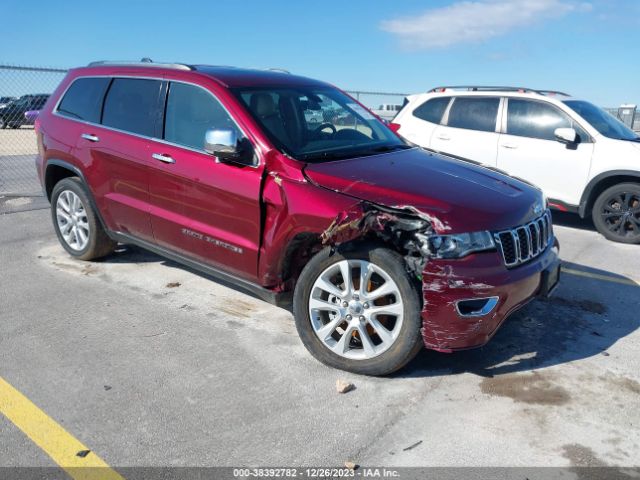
(163, 158)
(444, 137)
(90, 137)
(510, 146)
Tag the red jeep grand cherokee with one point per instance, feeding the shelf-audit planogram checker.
(288, 187)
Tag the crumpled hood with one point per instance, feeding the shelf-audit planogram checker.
(458, 196)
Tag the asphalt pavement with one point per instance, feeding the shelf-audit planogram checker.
(150, 364)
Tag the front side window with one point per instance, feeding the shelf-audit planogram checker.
(83, 100)
(474, 113)
(190, 112)
(432, 110)
(538, 120)
(132, 105)
(317, 123)
(603, 122)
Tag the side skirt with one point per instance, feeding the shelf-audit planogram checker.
(280, 299)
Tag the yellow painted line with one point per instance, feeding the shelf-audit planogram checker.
(597, 276)
(59, 444)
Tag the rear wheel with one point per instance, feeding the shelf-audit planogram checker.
(358, 311)
(616, 213)
(76, 223)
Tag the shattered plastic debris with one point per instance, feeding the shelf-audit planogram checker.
(397, 226)
(351, 465)
(411, 447)
(342, 386)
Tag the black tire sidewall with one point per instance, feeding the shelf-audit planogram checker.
(75, 185)
(409, 341)
(597, 209)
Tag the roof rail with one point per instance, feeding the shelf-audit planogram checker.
(480, 88)
(277, 69)
(144, 62)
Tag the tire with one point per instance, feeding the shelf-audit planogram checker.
(77, 226)
(3, 123)
(392, 340)
(616, 213)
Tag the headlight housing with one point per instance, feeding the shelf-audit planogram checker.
(457, 245)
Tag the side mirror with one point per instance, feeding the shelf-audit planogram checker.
(565, 135)
(225, 145)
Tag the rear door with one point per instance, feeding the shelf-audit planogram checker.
(418, 125)
(116, 153)
(528, 149)
(470, 129)
(201, 207)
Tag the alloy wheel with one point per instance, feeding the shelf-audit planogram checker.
(356, 309)
(72, 220)
(621, 214)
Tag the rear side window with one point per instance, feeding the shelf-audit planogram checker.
(474, 113)
(83, 99)
(535, 119)
(432, 110)
(190, 112)
(132, 105)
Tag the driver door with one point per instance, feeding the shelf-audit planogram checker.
(528, 149)
(201, 207)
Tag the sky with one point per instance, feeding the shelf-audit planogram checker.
(589, 49)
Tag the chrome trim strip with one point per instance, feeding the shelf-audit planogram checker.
(54, 111)
(544, 230)
(487, 309)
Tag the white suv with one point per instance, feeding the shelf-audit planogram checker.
(584, 159)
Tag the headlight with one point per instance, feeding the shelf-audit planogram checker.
(456, 246)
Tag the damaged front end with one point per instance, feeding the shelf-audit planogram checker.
(415, 234)
(403, 227)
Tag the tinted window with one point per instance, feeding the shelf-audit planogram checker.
(474, 113)
(605, 123)
(132, 105)
(190, 112)
(38, 103)
(84, 98)
(535, 119)
(432, 110)
(333, 126)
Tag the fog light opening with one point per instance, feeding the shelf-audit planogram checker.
(476, 307)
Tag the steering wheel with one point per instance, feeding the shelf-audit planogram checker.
(323, 126)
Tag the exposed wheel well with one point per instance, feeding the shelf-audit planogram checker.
(601, 186)
(299, 251)
(305, 245)
(53, 175)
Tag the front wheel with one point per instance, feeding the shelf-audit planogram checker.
(616, 213)
(358, 310)
(3, 123)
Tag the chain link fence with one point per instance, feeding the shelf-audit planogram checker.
(23, 91)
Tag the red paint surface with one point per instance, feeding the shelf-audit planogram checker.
(282, 204)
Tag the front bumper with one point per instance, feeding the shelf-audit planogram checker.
(478, 276)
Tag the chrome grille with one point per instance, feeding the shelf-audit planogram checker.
(524, 243)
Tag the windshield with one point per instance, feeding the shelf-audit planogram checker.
(606, 124)
(316, 124)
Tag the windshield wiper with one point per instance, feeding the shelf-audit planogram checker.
(354, 153)
(390, 148)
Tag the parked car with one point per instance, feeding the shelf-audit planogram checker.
(585, 160)
(12, 114)
(387, 111)
(381, 246)
(5, 100)
(30, 117)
